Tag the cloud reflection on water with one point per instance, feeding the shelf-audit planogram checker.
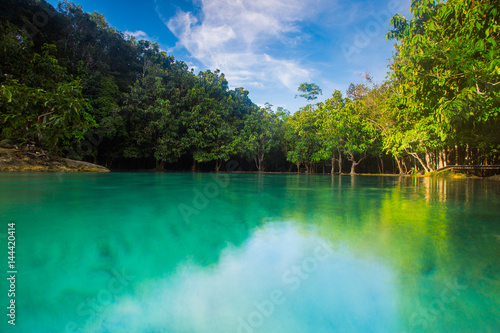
(283, 279)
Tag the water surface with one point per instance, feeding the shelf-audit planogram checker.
(182, 252)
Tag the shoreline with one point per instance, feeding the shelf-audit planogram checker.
(17, 161)
(457, 176)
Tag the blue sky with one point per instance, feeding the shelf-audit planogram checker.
(269, 47)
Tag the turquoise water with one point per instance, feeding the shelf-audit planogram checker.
(244, 253)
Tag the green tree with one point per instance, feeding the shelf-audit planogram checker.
(359, 135)
(448, 71)
(330, 129)
(152, 127)
(43, 118)
(310, 91)
(42, 104)
(301, 133)
(258, 136)
(211, 125)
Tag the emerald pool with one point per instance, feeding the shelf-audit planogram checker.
(244, 253)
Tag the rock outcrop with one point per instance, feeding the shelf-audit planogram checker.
(15, 160)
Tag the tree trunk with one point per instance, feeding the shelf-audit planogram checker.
(218, 164)
(440, 159)
(160, 165)
(340, 162)
(354, 162)
(404, 165)
(259, 159)
(259, 162)
(467, 154)
(193, 168)
(399, 165)
(109, 161)
(353, 167)
(421, 162)
(298, 167)
(333, 165)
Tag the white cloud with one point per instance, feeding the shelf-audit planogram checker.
(139, 34)
(237, 37)
(211, 299)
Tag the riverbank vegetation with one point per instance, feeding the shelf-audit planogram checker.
(75, 86)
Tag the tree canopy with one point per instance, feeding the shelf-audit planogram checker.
(76, 86)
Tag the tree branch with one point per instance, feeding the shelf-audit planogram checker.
(478, 91)
(45, 114)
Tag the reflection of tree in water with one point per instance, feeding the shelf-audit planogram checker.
(432, 231)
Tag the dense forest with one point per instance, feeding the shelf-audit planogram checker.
(74, 86)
